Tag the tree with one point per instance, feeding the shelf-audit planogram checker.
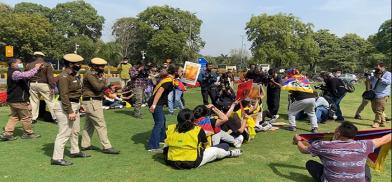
(353, 52)
(111, 52)
(329, 48)
(382, 40)
(27, 33)
(87, 47)
(5, 8)
(162, 31)
(277, 39)
(77, 18)
(32, 8)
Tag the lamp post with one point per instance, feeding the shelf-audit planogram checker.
(76, 48)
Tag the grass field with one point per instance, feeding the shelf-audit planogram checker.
(270, 157)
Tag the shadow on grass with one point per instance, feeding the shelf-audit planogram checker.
(159, 158)
(49, 147)
(293, 176)
(126, 112)
(362, 124)
(141, 138)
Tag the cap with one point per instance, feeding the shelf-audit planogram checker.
(38, 53)
(73, 58)
(98, 61)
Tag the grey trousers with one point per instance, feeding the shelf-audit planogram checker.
(306, 105)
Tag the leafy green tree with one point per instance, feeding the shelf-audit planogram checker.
(162, 31)
(5, 8)
(77, 18)
(329, 48)
(87, 47)
(32, 8)
(277, 39)
(382, 40)
(111, 52)
(27, 33)
(353, 52)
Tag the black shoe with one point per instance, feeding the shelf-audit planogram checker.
(80, 155)
(90, 148)
(357, 116)
(111, 151)
(60, 162)
(339, 119)
(4, 137)
(387, 119)
(292, 128)
(30, 136)
(314, 130)
(34, 121)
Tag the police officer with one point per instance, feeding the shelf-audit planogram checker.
(67, 110)
(93, 85)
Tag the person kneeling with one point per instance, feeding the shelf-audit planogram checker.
(185, 144)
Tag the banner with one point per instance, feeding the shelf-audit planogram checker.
(244, 89)
(375, 160)
(297, 83)
(191, 73)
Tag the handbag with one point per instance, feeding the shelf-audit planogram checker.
(371, 94)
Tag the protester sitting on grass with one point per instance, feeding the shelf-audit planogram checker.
(111, 100)
(236, 125)
(211, 125)
(343, 158)
(186, 144)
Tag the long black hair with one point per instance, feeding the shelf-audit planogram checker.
(185, 121)
(201, 111)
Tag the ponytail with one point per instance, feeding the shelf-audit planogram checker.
(185, 121)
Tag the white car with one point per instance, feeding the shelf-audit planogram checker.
(351, 78)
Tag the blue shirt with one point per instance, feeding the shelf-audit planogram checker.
(383, 88)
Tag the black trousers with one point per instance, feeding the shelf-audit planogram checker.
(212, 92)
(315, 169)
(273, 100)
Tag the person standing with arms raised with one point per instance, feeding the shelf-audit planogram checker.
(67, 111)
(93, 85)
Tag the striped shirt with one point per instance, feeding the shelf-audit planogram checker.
(343, 160)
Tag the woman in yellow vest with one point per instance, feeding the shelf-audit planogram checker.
(186, 144)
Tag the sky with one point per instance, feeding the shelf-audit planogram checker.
(224, 21)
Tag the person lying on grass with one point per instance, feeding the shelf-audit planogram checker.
(211, 125)
(186, 144)
(343, 158)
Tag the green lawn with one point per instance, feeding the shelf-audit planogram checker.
(270, 157)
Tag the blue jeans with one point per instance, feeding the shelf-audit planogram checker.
(321, 114)
(177, 100)
(337, 101)
(158, 133)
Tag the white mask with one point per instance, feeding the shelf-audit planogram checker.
(20, 66)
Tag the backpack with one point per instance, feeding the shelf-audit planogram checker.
(348, 86)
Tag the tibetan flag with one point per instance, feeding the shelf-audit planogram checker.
(297, 82)
(244, 89)
(376, 159)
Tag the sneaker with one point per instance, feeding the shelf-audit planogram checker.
(357, 116)
(4, 137)
(314, 130)
(105, 107)
(30, 136)
(375, 125)
(341, 119)
(238, 141)
(156, 151)
(235, 153)
(292, 128)
(275, 116)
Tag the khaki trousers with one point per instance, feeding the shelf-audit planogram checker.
(94, 120)
(68, 130)
(361, 107)
(19, 112)
(37, 90)
(378, 106)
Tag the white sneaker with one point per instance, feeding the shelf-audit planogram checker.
(238, 141)
(156, 151)
(235, 153)
(275, 116)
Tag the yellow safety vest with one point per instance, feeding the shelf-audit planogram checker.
(183, 146)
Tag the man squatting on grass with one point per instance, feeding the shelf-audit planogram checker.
(343, 158)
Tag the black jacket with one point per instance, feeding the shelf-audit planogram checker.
(18, 90)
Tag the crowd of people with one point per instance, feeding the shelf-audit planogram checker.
(201, 135)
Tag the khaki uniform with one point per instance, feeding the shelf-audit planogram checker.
(93, 86)
(19, 111)
(41, 84)
(70, 90)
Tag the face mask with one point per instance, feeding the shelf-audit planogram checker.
(76, 68)
(99, 71)
(338, 74)
(20, 66)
